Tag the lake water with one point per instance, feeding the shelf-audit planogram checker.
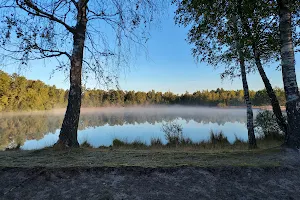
(100, 126)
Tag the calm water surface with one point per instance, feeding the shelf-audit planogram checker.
(100, 126)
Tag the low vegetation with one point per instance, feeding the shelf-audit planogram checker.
(151, 157)
(85, 144)
(267, 126)
(156, 142)
(268, 136)
(124, 143)
(217, 141)
(176, 151)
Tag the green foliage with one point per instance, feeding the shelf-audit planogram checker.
(261, 98)
(85, 144)
(221, 105)
(118, 143)
(212, 35)
(17, 93)
(216, 141)
(186, 141)
(267, 126)
(138, 144)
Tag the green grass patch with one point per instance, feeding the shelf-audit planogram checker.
(166, 157)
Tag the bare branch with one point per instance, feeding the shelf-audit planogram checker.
(39, 12)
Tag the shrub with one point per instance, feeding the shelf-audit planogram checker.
(85, 144)
(137, 144)
(118, 143)
(186, 141)
(156, 142)
(218, 138)
(221, 105)
(266, 125)
(173, 133)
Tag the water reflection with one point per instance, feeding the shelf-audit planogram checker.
(100, 126)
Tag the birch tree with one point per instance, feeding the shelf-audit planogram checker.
(260, 27)
(217, 39)
(286, 23)
(241, 58)
(79, 35)
(264, 23)
(260, 33)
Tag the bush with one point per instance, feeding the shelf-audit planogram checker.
(118, 143)
(135, 144)
(186, 141)
(221, 105)
(218, 138)
(266, 125)
(173, 133)
(138, 144)
(156, 142)
(85, 144)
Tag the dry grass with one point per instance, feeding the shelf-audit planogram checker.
(108, 157)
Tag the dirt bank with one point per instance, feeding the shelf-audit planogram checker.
(98, 174)
(151, 183)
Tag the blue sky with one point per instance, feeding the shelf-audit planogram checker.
(168, 65)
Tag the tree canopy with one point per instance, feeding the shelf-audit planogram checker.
(20, 94)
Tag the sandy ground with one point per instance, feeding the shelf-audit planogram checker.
(159, 183)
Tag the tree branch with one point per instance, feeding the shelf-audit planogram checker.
(39, 12)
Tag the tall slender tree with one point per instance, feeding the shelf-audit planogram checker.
(262, 32)
(40, 29)
(257, 34)
(288, 71)
(240, 52)
(217, 38)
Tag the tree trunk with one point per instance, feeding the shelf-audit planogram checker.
(272, 96)
(68, 132)
(289, 75)
(250, 124)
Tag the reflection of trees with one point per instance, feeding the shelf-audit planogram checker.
(25, 127)
(18, 129)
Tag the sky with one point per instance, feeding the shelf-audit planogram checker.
(167, 66)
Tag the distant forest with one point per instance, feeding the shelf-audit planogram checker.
(19, 94)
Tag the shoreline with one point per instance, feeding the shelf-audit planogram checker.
(59, 111)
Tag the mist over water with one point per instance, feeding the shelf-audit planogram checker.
(99, 126)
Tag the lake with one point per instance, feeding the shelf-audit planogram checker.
(99, 126)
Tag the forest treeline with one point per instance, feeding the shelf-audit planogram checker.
(20, 94)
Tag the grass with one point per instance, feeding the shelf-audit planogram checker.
(215, 152)
(217, 141)
(117, 143)
(85, 144)
(156, 142)
(166, 157)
